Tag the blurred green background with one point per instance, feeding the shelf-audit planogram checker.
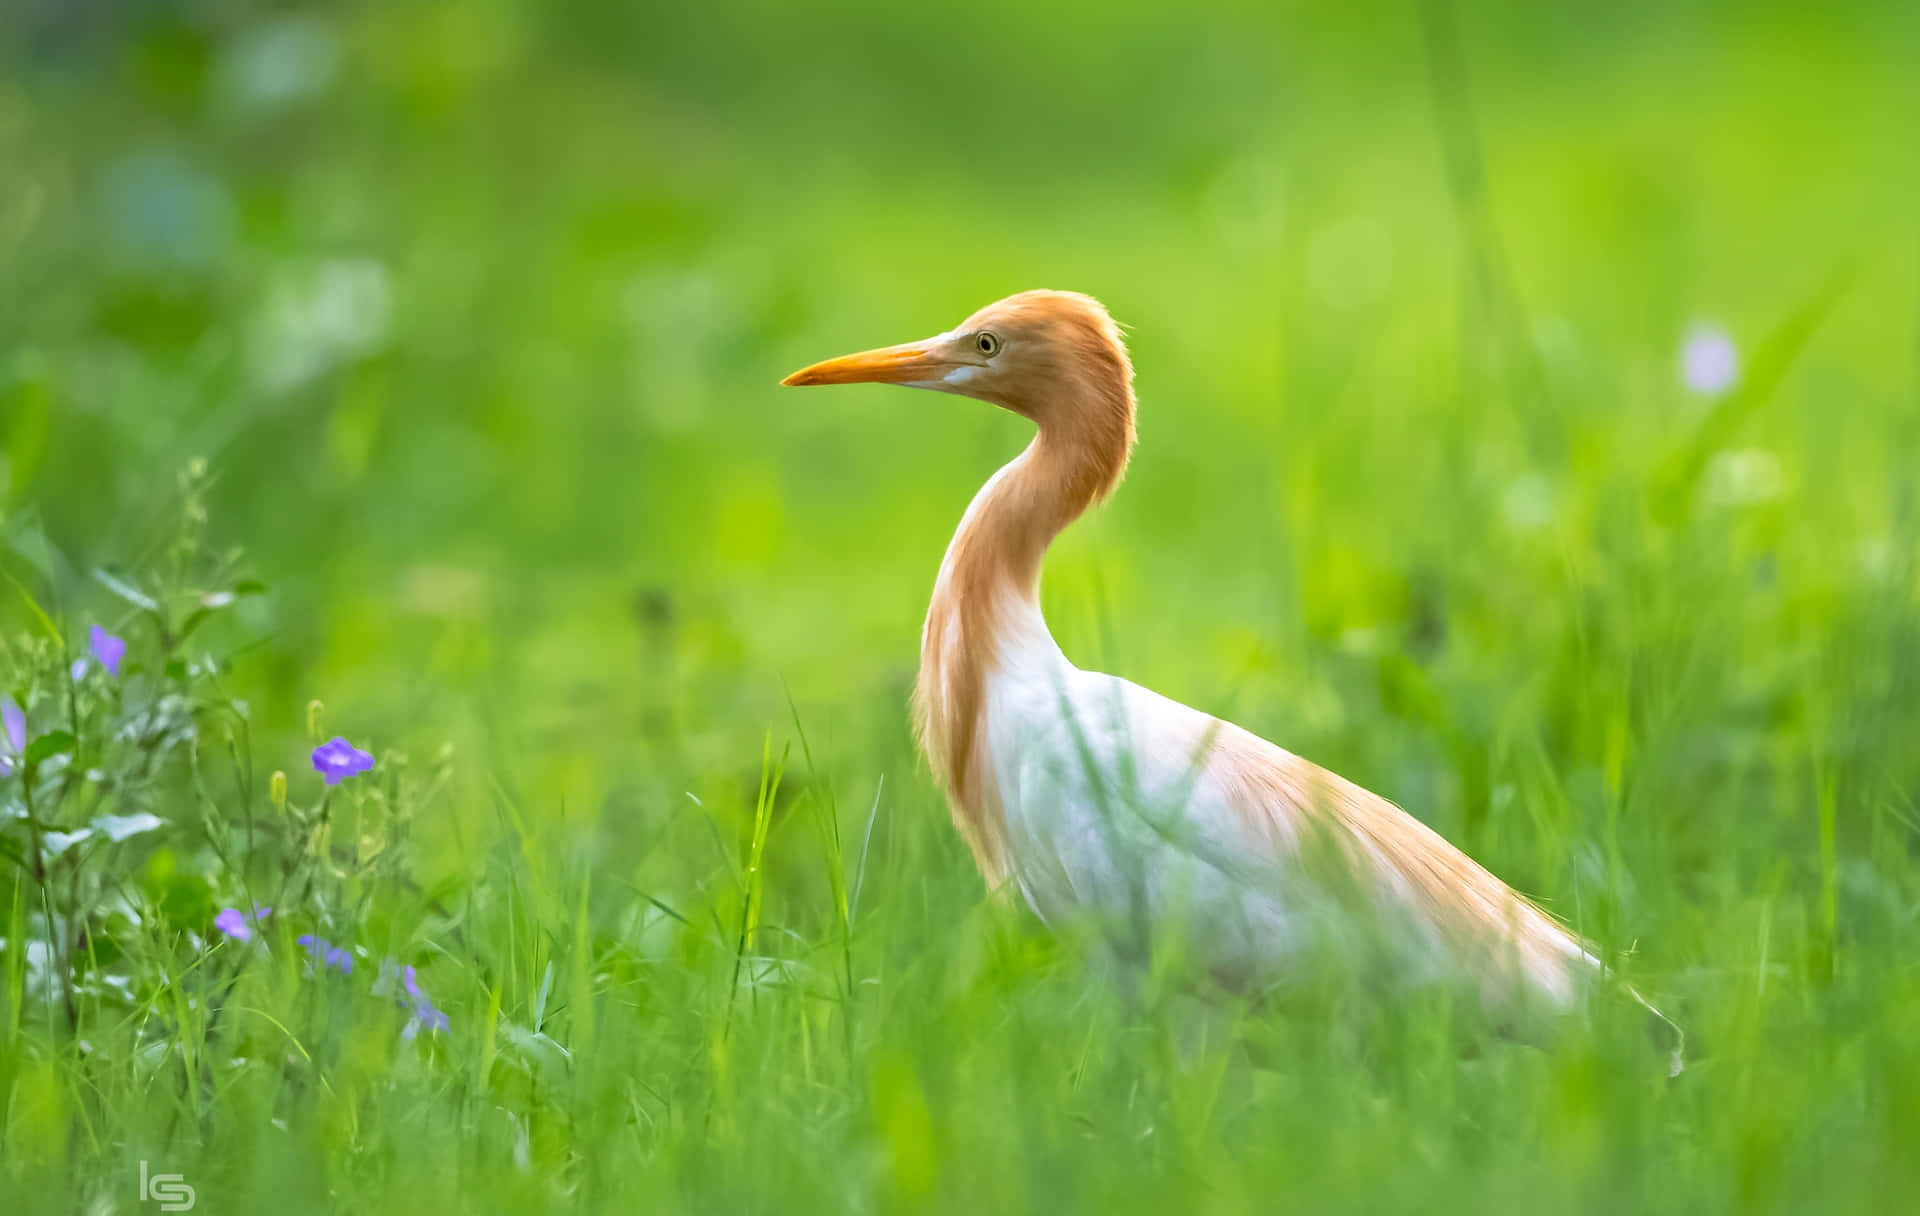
(477, 311)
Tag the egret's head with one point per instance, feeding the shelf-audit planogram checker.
(1053, 356)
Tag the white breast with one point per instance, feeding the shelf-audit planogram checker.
(1111, 817)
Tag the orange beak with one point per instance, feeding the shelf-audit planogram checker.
(908, 363)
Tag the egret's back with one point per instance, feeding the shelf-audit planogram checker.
(1154, 818)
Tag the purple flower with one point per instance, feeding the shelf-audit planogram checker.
(108, 649)
(1709, 361)
(337, 759)
(326, 954)
(15, 724)
(233, 922)
(426, 1016)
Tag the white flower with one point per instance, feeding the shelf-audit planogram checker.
(1709, 361)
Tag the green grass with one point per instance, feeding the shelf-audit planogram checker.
(479, 342)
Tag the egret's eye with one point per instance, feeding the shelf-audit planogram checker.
(988, 343)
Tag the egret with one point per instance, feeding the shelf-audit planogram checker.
(1093, 796)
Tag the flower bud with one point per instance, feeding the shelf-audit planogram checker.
(314, 712)
(277, 790)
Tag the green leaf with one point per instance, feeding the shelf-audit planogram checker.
(127, 591)
(29, 409)
(542, 1055)
(194, 621)
(53, 743)
(33, 605)
(213, 601)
